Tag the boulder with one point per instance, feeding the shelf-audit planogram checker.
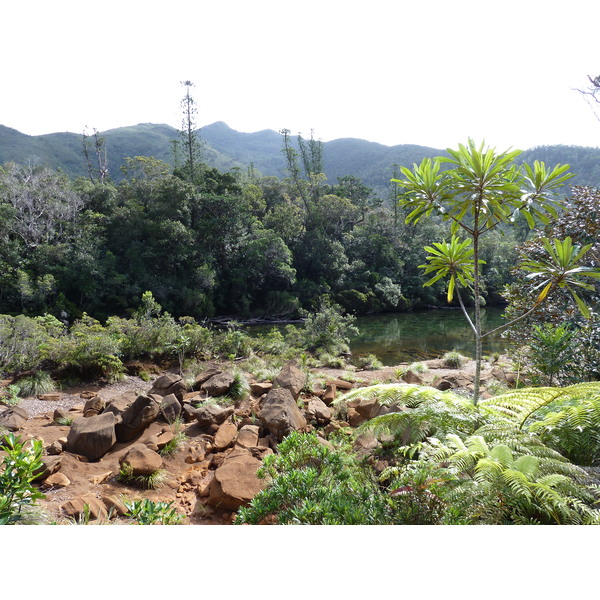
(443, 385)
(13, 418)
(354, 417)
(141, 460)
(341, 384)
(258, 388)
(50, 466)
(61, 413)
(318, 411)
(410, 377)
(120, 404)
(329, 394)
(247, 436)
(81, 507)
(137, 417)
(291, 378)
(59, 480)
(225, 435)
(50, 397)
(212, 414)
(280, 415)
(368, 408)
(205, 376)
(170, 408)
(218, 385)
(169, 384)
(235, 482)
(94, 406)
(92, 437)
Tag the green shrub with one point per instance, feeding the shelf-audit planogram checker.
(551, 350)
(19, 468)
(326, 359)
(39, 383)
(23, 341)
(179, 438)
(12, 396)
(234, 343)
(327, 330)
(149, 481)
(368, 363)
(454, 359)
(240, 389)
(311, 484)
(148, 512)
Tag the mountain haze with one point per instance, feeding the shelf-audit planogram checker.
(225, 149)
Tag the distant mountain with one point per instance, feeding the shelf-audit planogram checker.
(225, 149)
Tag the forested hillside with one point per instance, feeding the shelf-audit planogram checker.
(226, 149)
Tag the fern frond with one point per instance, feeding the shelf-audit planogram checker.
(519, 405)
(405, 394)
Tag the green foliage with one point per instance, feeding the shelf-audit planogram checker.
(19, 467)
(455, 260)
(179, 438)
(12, 395)
(240, 388)
(369, 362)
(551, 349)
(310, 483)
(88, 348)
(149, 481)
(492, 484)
(482, 190)
(23, 340)
(454, 359)
(39, 382)
(327, 330)
(562, 270)
(148, 512)
(233, 343)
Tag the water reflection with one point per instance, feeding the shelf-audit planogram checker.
(402, 337)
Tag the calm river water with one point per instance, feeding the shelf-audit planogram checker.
(406, 337)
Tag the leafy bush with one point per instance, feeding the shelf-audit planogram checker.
(19, 467)
(148, 512)
(179, 438)
(23, 341)
(312, 484)
(551, 349)
(233, 343)
(88, 348)
(501, 461)
(12, 395)
(327, 330)
(369, 362)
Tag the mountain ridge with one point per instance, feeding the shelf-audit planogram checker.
(225, 148)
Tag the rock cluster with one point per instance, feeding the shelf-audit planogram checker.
(216, 467)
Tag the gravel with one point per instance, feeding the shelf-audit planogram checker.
(73, 397)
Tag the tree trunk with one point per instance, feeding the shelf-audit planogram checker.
(477, 316)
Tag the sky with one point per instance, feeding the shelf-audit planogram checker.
(395, 72)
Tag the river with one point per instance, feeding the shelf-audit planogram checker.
(406, 337)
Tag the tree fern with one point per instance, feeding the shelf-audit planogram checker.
(422, 412)
(519, 406)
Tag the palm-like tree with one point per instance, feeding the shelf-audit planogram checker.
(481, 190)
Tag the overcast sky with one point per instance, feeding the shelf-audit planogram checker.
(422, 72)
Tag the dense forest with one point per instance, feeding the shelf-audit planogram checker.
(215, 242)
